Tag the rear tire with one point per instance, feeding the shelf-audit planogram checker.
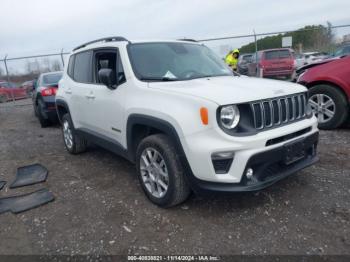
(164, 168)
(73, 142)
(329, 105)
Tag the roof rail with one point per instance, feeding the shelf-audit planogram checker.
(187, 39)
(105, 39)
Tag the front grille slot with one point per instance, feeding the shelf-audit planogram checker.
(277, 111)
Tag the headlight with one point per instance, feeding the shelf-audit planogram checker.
(229, 116)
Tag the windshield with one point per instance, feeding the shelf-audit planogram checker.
(175, 61)
(52, 79)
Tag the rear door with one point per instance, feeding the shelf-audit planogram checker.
(79, 90)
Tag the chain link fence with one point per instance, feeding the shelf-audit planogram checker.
(308, 45)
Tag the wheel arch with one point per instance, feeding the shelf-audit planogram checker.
(329, 83)
(61, 108)
(140, 126)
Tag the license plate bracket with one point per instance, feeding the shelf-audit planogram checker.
(294, 151)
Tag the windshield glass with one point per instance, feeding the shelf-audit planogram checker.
(52, 79)
(175, 61)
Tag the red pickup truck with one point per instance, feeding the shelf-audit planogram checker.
(9, 91)
(329, 90)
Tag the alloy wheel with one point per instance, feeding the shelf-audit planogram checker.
(67, 134)
(323, 107)
(154, 172)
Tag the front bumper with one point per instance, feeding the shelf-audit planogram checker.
(269, 167)
(199, 149)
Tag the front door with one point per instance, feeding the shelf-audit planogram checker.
(107, 105)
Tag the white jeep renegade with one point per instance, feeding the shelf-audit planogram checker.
(188, 123)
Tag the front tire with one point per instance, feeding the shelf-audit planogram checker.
(74, 143)
(160, 171)
(329, 105)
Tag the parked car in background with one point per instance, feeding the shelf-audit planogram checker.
(309, 58)
(273, 63)
(342, 51)
(329, 91)
(28, 86)
(44, 98)
(243, 61)
(9, 91)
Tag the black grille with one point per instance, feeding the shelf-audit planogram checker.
(277, 111)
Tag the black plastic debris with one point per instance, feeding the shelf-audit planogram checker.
(17, 204)
(29, 175)
(2, 184)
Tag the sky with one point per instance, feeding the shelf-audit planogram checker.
(29, 27)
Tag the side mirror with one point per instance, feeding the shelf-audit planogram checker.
(108, 78)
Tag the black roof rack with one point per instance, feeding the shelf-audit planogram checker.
(187, 39)
(105, 39)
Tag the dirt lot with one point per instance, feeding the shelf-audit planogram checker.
(101, 209)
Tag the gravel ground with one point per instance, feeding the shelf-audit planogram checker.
(101, 209)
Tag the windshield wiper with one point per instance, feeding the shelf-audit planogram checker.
(158, 79)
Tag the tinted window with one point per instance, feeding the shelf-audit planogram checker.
(51, 79)
(247, 58)
(70, 66)
(277, 54)
(82, 67)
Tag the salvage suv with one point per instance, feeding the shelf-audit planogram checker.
(179, 113)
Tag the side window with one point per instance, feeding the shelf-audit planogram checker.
(82, 67)
(70, 66)
(109, 59)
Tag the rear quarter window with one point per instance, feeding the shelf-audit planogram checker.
(70, 66)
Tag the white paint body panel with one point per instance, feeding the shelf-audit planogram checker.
(179, 103)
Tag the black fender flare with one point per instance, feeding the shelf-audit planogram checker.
(61, 103)
(160, 124)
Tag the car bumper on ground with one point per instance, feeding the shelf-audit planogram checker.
(266, 154)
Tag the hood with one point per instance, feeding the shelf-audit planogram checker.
(303, 68)
(230, 90)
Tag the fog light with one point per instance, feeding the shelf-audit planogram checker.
(222, 161)
(222, 155)
(249, 173)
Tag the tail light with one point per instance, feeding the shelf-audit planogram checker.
(49, 91)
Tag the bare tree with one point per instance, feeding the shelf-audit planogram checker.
(56, 65)
(46, 65)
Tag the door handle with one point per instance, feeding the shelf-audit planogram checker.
(90, 96)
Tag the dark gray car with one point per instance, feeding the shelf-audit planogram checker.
(44, 98)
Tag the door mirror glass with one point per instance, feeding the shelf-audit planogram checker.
(107, 77)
